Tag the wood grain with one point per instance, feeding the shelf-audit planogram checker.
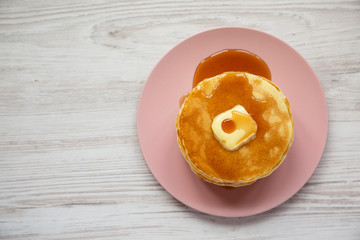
(71, 74)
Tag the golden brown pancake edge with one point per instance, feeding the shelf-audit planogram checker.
(210, 177)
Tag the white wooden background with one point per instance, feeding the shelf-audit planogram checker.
(71, 74)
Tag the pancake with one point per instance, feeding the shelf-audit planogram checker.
(259, 156)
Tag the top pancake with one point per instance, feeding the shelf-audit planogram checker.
(258, 158)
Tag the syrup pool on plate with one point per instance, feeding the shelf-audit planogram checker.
(231, 60)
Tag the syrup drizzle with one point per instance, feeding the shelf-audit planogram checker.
(228, 125)
(231, 60)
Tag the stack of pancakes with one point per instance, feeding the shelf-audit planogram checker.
(256, 159)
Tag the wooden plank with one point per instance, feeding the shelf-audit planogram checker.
(71, 74)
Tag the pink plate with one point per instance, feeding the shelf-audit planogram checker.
(159, 105)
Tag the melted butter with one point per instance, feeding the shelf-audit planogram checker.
(239, 121)
(231, 60)
(244, 122)
(234, 127)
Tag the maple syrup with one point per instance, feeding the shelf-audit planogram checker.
(228, 125)
(231, 60)
(182, 99)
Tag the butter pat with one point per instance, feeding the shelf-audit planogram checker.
(234, 128)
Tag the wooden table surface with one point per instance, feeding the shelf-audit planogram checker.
(71, 74)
